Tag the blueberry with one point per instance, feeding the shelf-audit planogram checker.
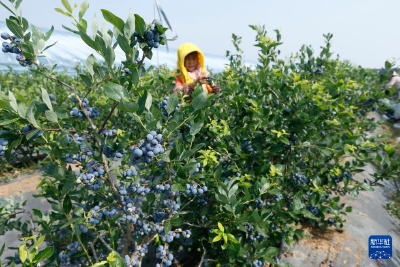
(150, 43)
(156, 37)
(149, 36)
(5, 36)
(156, 44)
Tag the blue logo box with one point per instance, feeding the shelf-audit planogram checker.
(380, 247)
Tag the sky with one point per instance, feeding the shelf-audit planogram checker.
(364, 31)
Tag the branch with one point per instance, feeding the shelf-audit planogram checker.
(94, 252)
(204, 254)
(93, 126)
(108, 116)
(105, 243)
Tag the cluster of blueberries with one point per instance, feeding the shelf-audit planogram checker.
(369, 101)
(85, 101)
(92, 177)
(331, 221)
(258, 263)
(111, 153)
(162, 254)
(193, 189)
(75, 158)
(3, 146)
(91, 112)
(313, 209)
(52, 97)
(29, 128)
(163, 106)
(253, 236)
(152, 37)
(258, 204)
(333, 113)
(247, 146)
(278, 197)
(130, 172)
(299, 178)
(147, 149)
(13, 48)
(134, 260)
(66, 255)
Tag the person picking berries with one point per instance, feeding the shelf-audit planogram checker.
(394, 81)
(191, 71)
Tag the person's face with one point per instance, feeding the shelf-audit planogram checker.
(191, 61)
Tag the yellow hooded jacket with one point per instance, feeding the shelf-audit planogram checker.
(182, 73)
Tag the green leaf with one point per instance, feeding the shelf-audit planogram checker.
(15, 28)
(90, 61)
(67, 205)
(6, 7)
(18, 3)
(127, 106)
(196, 128)
(113, 19)
(59, 10)
(164, 158)
(30, 114)
(297, 201)
(88, 40)
(199, 101)
(167, 226)
(84, 7)
(172, 102)
(13, 101)
(221, 227)
(49, 33)
(39, 241)
(114, 91)
(177, 221)
(217, 238)
(140, 25)
(129, 27)
(49, 46)
(44, 254)
(95, 25)
(79, 211)
(71, 221)
(51, 116)
(67, 5)
(2, 249)
(46, 99)
(233, 190)
(349, 209)
(145, 101)
(232, 238)
(123, 43)
(23, 254)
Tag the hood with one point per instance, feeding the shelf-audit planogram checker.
(183, 51)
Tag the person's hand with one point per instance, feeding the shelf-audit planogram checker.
(203, 78)
(215, 88)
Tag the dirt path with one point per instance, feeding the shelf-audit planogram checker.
(350, 248)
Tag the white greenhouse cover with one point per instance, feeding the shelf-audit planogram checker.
(70, 50)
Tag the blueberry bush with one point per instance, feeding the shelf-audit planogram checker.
(138, 177)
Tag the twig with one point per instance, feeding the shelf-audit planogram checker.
(204, 254)
(128, 238)
(105, 244)
(108, 116)
(94, 252)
